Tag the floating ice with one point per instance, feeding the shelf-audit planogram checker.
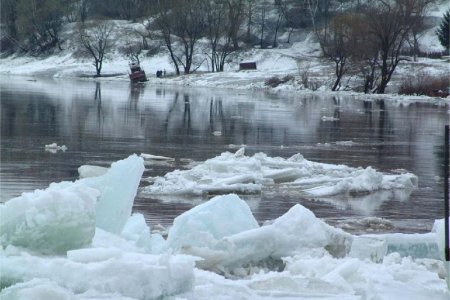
(243, 174)
(53, 148)
(317, 275)
(345, 143)
(155, 157)
(64, 216)
(296, 230)
(205, 224)
(413, 245)
(54, 220)
(439, 230)
(369, 247)
(329, 119)
(106, 271)
(136, 230)
(312, 259)
(394, 278)
(358, 181)
(37, 289)
(377, 246)
(204, 234)
(118, 187)
(86, 171)
(150, 159)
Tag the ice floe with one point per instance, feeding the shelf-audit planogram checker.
(50, 221)
(238, 173)
(91, 171)
(329, 119)
(53, 247)
(53, 148)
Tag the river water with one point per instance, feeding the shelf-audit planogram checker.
(101, 122)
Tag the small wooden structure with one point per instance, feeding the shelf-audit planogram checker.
(247, 66)
(137, 74)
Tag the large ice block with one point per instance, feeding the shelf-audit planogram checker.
(117, 187)
(369, 247)
(295, 230)
(54, 220)
(205, 224)
(415, 245)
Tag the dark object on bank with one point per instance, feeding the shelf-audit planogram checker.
(247, 66)
(137, 74)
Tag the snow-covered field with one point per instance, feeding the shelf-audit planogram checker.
(79, 240)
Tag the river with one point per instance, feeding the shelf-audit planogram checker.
(101, 122)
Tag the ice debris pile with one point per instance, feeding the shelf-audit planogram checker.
(238, 173)
(79, 240)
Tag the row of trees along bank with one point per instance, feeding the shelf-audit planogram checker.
(357, 36)
(372, 38)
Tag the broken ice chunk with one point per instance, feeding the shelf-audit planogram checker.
(50, 221)
(207, 223)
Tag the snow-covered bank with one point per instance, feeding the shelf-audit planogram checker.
(296, 61)
(232, 79)
(297, 256)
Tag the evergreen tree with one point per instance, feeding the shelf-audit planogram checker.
(443, 30)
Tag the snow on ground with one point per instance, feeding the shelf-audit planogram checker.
(214, 251)
(299, 59)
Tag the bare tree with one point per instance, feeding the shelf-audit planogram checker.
(263, 8)
(337, 44)
(132, 50)
(189, 28)
(39, 24)
(418, 25)
(312, 7)
(181, 24)
(278, 24)
(283, 9)
(96, 42)
(164, 24)
(389, 24)
(219, 37)
(249, 14)
(235, 15)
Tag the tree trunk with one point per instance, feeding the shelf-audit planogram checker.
(263, 19)
(275, 42)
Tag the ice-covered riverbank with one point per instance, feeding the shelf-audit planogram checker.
(78, 240)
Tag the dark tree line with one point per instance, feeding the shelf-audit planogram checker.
(34, 25)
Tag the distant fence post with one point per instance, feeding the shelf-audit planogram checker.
(446, 201)
(446, 191)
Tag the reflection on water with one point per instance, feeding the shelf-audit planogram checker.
(104, 122)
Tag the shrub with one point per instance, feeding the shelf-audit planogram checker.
(273, 81)
(276, 81)
(424, 84)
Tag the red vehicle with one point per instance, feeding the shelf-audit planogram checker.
(137, 74)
